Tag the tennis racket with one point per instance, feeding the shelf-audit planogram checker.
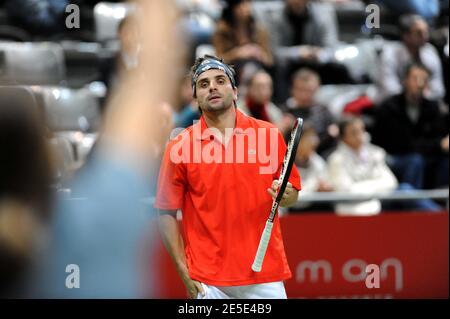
(288, 162)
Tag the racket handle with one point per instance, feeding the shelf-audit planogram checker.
(262, 248)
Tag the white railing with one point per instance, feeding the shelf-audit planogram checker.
(333, 197)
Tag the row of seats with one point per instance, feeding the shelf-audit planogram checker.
(75, 63)
(105, 18)
(72, 117)
(351, 16)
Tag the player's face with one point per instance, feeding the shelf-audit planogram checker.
(215, 92)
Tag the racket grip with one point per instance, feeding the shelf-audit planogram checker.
(262, 248)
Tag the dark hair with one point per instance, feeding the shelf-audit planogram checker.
(230, 19)
(25, 170)
(306, 74)
(410, 66)
(345, 121)
(252, 77)
(228, 10)
(406, 22)
(199, 61)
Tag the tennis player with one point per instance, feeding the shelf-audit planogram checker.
(224, 189)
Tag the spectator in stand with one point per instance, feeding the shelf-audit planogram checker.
(258, 102)
(413, 130)
(359, 167)
(414, 48)
(241, 41)
(313, 169)
(305, 84)
(304, 34)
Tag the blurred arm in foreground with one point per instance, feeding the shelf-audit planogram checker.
(108, 236)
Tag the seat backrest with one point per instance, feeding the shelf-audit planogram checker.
(31, 63)
(203, 49)
(64, 153)
(107, 17)
(70, 109)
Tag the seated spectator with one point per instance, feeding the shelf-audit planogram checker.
(358, 167)
(412, 129)
(312, 168)
(414, 48)
(239, 40)
(257, 102)
(303, 34)
(305, 84)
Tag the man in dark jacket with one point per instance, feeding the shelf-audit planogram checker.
(413, 130)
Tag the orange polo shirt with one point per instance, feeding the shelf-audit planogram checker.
(222, 193)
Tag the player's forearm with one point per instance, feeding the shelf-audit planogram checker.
(173, 241)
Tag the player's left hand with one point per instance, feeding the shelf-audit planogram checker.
(288, 194)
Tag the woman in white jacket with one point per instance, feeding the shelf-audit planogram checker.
(358, 167)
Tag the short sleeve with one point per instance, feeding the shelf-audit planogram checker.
(171, 183)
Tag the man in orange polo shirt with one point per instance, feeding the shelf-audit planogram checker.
(222, 173)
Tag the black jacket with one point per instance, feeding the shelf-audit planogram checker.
(395, 132)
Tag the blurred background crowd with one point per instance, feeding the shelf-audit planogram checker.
(371, 88)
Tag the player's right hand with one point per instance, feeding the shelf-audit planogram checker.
(193, 287)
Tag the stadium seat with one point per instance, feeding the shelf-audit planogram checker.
(83, 62)
(61, 146)
(360, 58)
(336, 96)
(81, 143)
(73, 114)
(65, 157)
(107, 17)
(69, 109)
(203, 49)
(31, 63)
